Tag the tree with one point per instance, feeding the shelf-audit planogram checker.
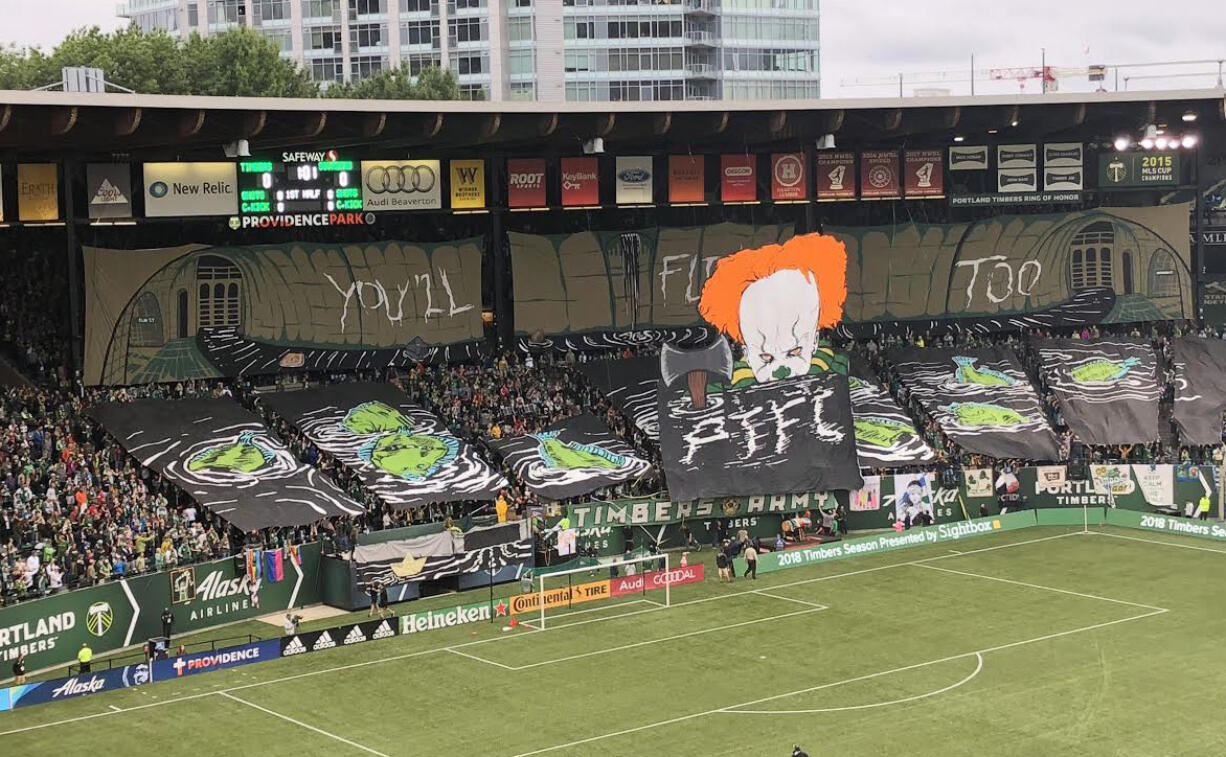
(398, 84)
(242, 63)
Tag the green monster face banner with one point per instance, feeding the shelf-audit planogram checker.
(1108, 265)
(885, 436)
(571, 458)
(403, 454)
(198, 312)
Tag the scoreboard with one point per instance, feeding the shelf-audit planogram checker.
(300, 182)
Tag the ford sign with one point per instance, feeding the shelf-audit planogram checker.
(635, 176)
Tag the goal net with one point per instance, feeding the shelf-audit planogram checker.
(618, 582)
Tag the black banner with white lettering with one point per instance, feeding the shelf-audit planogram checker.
(981, 398)
(402, 453)
(885, 436)
(1107, 388)
(570, 458)
(226, 459)
(440, 555)
(785, 436)
(1200, 388)
(630, 384)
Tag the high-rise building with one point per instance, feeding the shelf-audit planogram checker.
(545, 50)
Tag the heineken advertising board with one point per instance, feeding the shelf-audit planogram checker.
(1138, 169)
(115, 615)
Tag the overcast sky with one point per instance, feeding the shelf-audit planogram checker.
(870, 39)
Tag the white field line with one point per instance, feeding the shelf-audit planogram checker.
(307, 726)
(814, 605)
(819, 687)
(1045, 588)
(436, 650)
(481, 659)
(917, 697)
(1159, 542)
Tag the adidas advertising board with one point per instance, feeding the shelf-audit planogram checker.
(340, 636)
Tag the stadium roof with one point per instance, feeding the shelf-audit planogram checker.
(53, 123)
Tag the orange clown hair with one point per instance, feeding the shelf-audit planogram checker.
(821, 258)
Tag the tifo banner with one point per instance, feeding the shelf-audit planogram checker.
(225, 458)
(629, 279)
(118, 614)
(653, 580)
(403, 454)
(570, 458)
(1005, 272)
(197, 312)
(780, 418)
(630, 384)
(564, 596)
(885, 436)
(443, 554)
(981, 398)
(649, 512)
(331, 638)
(770, 562)
(1107, 388)
(1200, 388)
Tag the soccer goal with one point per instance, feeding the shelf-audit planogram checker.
(621, 580)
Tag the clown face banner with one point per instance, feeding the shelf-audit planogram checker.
(226, 459)
(570, 458)
(778, 418)
(402, 453)
(1107, 388)
(981, 399)
(885, 436)
(1200, 388)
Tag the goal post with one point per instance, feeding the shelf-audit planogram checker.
(618, 578)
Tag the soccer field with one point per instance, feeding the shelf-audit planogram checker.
(1042, 641)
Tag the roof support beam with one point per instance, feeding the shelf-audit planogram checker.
(6, 116)
(254, 123)
(190, 123)
(891, 119)
(547, 125)
(63, 119)
(127, 121)
(433, 128)
(778, 121)
(832, 120)
(605, 123)
(661, 124)
(721, 123)
(490, 125)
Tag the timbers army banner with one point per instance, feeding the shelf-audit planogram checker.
(630, 384)
(1003, 272)
(1200, 388)
(780, 418)
(444, 554)
(571, 458)
(402, 453)
(885, 436)
(1107, 388)
(981, 398)
(226, 459)
(202, 312)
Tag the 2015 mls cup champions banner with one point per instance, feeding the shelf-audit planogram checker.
(778, 418)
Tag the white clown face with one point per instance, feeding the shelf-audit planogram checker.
(779, 323)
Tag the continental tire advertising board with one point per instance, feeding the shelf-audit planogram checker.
(50, 631)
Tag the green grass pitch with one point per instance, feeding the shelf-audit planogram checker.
(1043, 641)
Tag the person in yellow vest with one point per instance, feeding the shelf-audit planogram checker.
(1203, 509)
(84, 658)
(500, 507)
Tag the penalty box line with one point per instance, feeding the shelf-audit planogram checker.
(307, 726)
(436, 650)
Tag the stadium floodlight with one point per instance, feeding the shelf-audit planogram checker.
(1160, 143)
(1189, 140)
(959, 138)
(239, 148)
(826, 142)
(1013, 122)
(1147, 143)
(1188, 116)
(1122, 143)
(594, 146)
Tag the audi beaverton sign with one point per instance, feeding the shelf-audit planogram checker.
(401, 185)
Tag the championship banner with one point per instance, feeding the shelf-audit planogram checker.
(738, 178)
(442, 554)
(633, 184)
(402, 453)
(836, 176)
(981, 398)
(779, 419)
(1107, 388)
(226, 459)
(1200, 389)
(923, 175)
(580, 182)
(570, 458)
(885, 436)
(467, 184)
(526, 183)
(630, 384)
(879, 170)
(788, 180)
(109, 189)
(401, 185)
(38, 192)
(686, 179)
(195, 312)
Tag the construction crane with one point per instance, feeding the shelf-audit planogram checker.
(1048, 76)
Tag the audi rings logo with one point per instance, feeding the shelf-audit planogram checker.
(397, 179)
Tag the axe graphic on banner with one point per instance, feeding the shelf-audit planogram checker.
(696, 365)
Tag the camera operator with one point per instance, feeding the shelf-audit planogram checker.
(291, 623)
